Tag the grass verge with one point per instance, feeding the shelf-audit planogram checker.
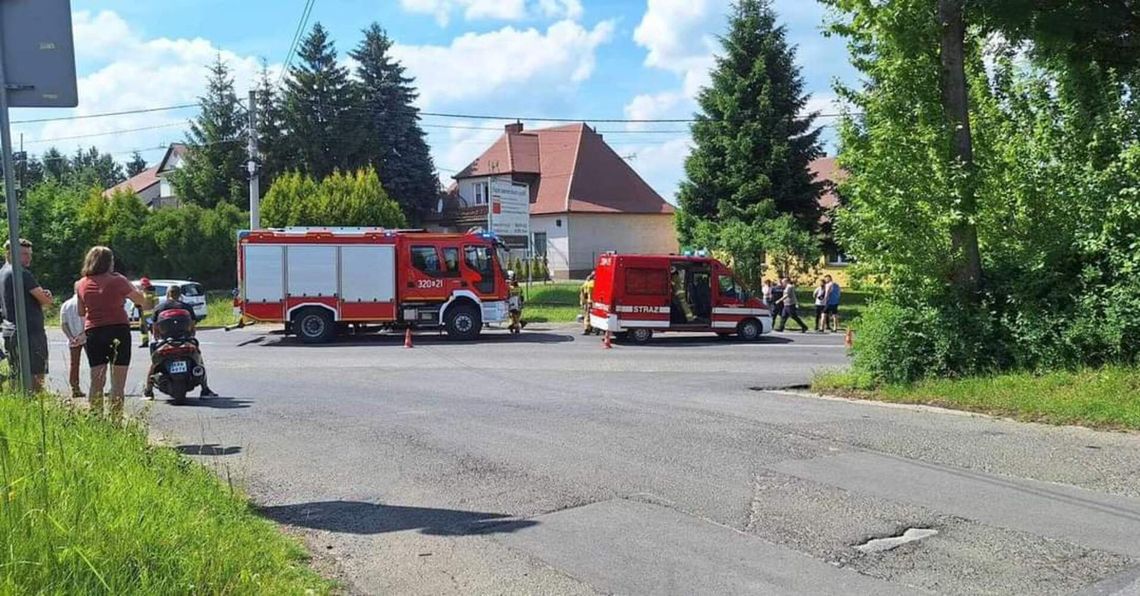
(219, 310)
(1106, 398)
(102, 511)
(555, 302)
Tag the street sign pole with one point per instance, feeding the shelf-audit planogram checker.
(16, 254)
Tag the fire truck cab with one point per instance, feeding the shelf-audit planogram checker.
(637, 295)
(317, 281)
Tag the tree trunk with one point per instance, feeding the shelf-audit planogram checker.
(967, 272)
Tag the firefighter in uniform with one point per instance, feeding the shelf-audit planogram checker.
(515, 303)
(681, 294)
(585, 301)
(145, 311)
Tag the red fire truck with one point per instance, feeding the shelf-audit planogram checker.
(320, 280)
(636, 295)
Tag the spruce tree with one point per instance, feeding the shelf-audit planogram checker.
(136, 165)
(753, 143)
(275, 152)
(394, 143)
(322, 126)
(214, 171)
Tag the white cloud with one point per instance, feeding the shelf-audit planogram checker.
(504, 10)
(661, 165)
(680, 34)
(132, 73)
(478, 66)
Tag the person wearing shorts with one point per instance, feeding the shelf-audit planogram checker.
(36, 299)
(831, 303)
(101, 295)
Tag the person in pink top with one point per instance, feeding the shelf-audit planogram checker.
(101, 295)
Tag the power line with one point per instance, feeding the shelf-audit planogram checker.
(603, 120)
(301, 23)
(106, 133)
(105, 114)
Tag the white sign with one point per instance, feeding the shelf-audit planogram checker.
(509, 214)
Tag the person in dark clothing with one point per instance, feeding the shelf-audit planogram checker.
(37, 299)
(173, 301)
(775, 305)
(790, 307)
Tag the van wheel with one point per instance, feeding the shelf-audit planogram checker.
(463, 322)
(314, 325)
(749, 330)
(640, 336)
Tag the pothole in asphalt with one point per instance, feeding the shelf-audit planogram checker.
(879, 545)
(800, 387)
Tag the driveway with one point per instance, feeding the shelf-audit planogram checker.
(545, 464)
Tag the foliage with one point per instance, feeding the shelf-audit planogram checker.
(752, 145)
(136, 165)
(1106, 397)
(396, 145)
(356, 199)
(751, 248)
(102, 511)
(273, 150)
(1056, 149)
(189, 242)
(318, 109)
(214, 170)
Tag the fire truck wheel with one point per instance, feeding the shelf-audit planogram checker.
(314, 325)
(640, 336)
(749, 330)
(463, 322)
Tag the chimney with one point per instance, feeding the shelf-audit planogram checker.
(514, 128)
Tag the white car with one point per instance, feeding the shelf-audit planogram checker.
(192, 294)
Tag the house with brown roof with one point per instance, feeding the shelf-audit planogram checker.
(153, 185)
(584, 198)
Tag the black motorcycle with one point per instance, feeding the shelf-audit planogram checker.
(175, 357)
(177, 372)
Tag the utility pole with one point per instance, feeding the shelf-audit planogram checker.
(252, 166)
(15, 255)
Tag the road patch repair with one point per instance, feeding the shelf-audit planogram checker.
(630, 547)
(879, 545)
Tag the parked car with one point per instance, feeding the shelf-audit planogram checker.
(193, 294)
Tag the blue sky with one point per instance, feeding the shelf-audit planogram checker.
(532, 59)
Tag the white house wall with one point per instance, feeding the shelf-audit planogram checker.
(557, 241)
(592, 234)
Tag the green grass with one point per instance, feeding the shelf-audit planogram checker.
(555, 302)
(1107, 398)
(219, 310)
(103, 511)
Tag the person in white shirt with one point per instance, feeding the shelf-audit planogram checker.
(820, 306)
(72, 325)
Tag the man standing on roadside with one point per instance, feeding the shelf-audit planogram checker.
(831, 303)
(37, 299)
(790, 307)
(72, 325)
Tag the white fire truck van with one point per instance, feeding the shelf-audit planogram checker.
(317, 281)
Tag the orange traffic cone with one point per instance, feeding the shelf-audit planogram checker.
(849, 338)
(408, 337)
(607, 341)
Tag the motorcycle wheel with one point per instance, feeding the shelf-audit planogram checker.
(178, 391)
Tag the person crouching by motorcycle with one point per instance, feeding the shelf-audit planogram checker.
(173, 301)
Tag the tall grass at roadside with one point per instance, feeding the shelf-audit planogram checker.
(103, 511)
(1101, 398)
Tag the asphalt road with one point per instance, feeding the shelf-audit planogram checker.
(544, 464)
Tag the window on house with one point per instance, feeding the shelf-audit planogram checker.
(838, 258)
(426, 259)
(481, 193)
(540, 244)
